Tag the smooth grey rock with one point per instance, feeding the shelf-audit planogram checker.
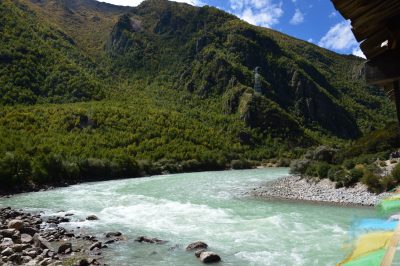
(149, 240)
(111, 234)
(8, 232)
(63, 248)
(7, 252)
(198, 252)
(16, 224)
(95, 245)
(26, 239)
(6, 242)
(209, 257)
(92, 218)
(20, 247)
(196, 245)
(40, 242)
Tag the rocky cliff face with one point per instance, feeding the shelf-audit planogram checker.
(208, 52)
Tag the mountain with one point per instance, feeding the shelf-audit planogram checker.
(40, 63)
(90, 90)
(212, 53)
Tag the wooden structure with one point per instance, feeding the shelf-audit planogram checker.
(376, 24)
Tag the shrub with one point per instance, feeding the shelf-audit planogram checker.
(372, 181)
(388, 183)
(396, 173)
(241, 164)
(283, 162)
(299, 166)
(349, 164)
(356, 174)
(323, 169)
(333, 172)
(15, 169)
(324, 154)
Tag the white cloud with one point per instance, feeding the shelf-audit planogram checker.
(333, 14)
(310, 40)
(339, 37)
(258, 12)
(297, 18)
(357, 52)
(137, 2)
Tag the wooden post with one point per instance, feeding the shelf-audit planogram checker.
(396, 90)
(391, 249)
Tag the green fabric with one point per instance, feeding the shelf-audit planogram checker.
(389, 206)
(372, 259)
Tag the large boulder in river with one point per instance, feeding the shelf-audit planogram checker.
(209, 257)
(96, 245)
(113, 234)
(92, 218)
(198, 252)
(196, 245)
(15, 224)
(146, 239)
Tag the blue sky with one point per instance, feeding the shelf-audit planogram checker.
(315, 21)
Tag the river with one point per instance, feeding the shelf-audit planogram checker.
(207, 206)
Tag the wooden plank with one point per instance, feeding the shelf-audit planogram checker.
(372, 46)
(382, 12)
(396, 94)
(383, 68)
(363, 33)
(369, 30)
(391, 250)
(351, 9)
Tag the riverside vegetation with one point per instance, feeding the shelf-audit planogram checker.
(368, 160)
(92, 91)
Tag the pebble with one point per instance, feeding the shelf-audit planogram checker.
(297, 188)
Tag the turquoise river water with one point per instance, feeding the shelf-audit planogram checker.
(209, 206)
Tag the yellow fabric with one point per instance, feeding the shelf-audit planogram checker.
(395, 197)
(369, 243)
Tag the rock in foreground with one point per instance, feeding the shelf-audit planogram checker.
(209, 257)
(196, 245)
(149, 240)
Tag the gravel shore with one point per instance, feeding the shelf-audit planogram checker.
(297, 188)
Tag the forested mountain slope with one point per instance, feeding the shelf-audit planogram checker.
(89, 90)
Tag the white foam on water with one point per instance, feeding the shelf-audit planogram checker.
(166, 216)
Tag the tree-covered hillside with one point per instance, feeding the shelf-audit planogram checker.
(212, 53)
(94, 91)
(41, 64)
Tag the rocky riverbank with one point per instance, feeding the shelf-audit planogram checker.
(297, 188)
(33, 239)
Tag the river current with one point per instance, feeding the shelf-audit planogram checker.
(208, 206)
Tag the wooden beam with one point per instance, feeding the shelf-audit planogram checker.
(384, 11)
(383, 68)
(364, 32)
(396, 91)
(354, 8)
(372, 46)
(391, 250)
